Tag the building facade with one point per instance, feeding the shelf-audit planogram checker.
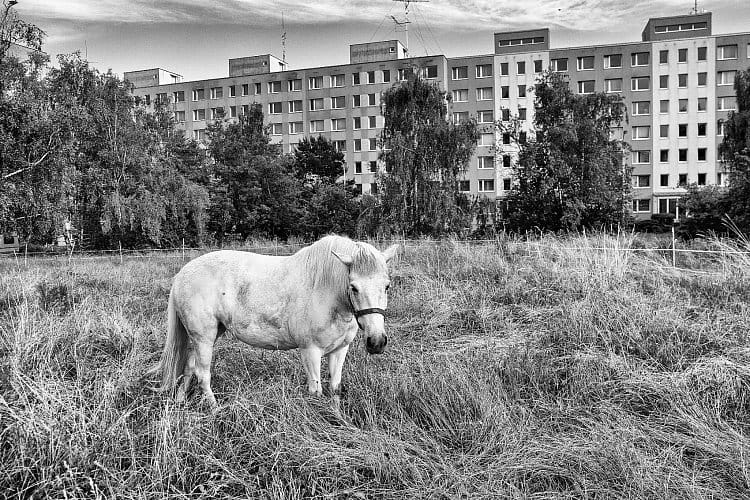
(677, 84)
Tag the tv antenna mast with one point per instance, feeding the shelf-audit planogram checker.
(404, 25)
(695, 10)
(283, 38)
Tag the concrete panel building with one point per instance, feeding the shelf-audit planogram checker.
(677, 84)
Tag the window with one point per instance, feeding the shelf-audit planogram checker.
(371, 99)
(356, 101)
(245, 89)
(274, 108)
(641, 181)
(639, 59)
(486, 162)
(372, 144)
(682, 155)
(461, 95)
(460, 116)
(431, 72)
(725, 78)
(485, 116)
(370, 77)
(486, 185)
(295, 106)
(372, 121)
(315, 82)
(681, 181)
(505, 92)
(538, 66)
(641, 156)
(720, 178)
(316, 104)
(199, 114)
(357, 144)
(559, 64)
(585, 63)
(664, 81)
(295, 128)
(274, 87)
(720, 127)
(199, 135)
(506, 161)
(373, 167)
(664, 180)
(642, 132)
(505, 114)
(460, 73)
(340, 146)
(276, 129)
(640, 83)
(338, 124)
(642, 108)
(682, 80)
(199, 94)
(664, 106)
(257, 88)
(664, 157)
(521, 68)
(701, 154)
(487, 139)
(613, 85)
(682, 55)
(663, 56)
(295, 85)
(484, 70)
(522, 113)
(233, 111)
(232, 91)
(702, 176)
(663, 131)
(726, 103)
(338, 80)
(702, 77)
(726, 52)
(702, 103)
(506, 138)
(404, 74)
(357, 167)
(682, 130)
(682, 106)
(702, 53)
(641, 206)
(522, 91)
(357, 123)
(613, 61)
(317, 126)
(504, 69)
(217, 92)
(178, 96)
(386, 75)
(355, 79)
(702, 128)
(586, 87)
(484, 94)
(669, 205)
(338, 102)
(464, 186)
(179, 116)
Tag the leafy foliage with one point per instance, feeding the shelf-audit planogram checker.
(735, 149)
(316, 158)
(572, 174)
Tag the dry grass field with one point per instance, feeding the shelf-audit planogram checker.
(514, 371)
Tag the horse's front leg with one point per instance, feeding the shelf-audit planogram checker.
(335, 365)
(311, 360)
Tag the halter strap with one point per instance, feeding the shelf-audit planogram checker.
(371, 310)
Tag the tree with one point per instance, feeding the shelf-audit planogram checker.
(424, 155)
(572, 175)
(704, 208)
(318, 158)
(735, 152)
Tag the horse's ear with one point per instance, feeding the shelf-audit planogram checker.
(344, 258)
(391, 252)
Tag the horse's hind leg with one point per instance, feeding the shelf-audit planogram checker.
(202, 332)
(187, 376)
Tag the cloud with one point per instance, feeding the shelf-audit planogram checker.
(455, 15)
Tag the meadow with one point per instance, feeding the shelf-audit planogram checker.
(568, 368)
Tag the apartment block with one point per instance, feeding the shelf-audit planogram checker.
(676, 82)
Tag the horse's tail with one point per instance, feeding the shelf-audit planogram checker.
(174, 357)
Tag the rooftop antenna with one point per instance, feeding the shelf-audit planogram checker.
(695, 9)
(283, 38)
(404, 25)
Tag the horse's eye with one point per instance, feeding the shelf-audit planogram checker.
(354, 289)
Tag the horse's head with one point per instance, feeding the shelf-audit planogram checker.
(368, 291)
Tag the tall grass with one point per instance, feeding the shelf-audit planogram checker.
(555, 368)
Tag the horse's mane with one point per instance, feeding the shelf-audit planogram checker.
(326, 272)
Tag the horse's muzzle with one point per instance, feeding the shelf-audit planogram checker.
(376, 346)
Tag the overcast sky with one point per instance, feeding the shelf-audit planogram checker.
(195, 38)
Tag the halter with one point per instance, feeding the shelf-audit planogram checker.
(363, 312)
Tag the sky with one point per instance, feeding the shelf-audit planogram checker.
(195, 38)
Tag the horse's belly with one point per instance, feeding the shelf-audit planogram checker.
(264, 335)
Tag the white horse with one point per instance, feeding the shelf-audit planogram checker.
(314, 300)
